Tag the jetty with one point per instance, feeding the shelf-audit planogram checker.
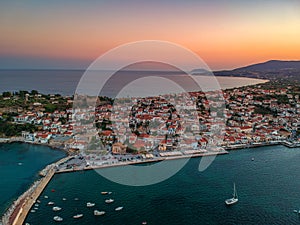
(18, 211)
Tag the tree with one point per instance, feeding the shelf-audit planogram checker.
(34, 92)
(6, 94)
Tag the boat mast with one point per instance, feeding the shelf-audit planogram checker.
(234, 191)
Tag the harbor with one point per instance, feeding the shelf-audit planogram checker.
(196, 197)
(17, 213)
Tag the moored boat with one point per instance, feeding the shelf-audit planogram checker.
(57, 218)
(56, 208)
(50, 203)
(119, 208)
(90, 204)
(234, 199)
(77, 216)
(99, 213)
(109, 200)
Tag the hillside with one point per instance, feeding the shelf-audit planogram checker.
(272, 70)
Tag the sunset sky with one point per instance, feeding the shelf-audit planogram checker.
(72, 34)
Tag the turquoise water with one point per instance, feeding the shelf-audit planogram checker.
(268, 189)
(19, 166)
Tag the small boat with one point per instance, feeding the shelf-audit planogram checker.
(110, 193)
(57, 218)
(56, 208)
(295, 211)
(35, 208)
(36, 205)
(98, 213)
(20, 164)
(104, 193)
(109, 200)
(32, 211)
(144, 223)
(64, 199)
(27, 223)
(234, 199)
(76, 199)
(50, 203)
(52, 190)
(38, 201)
(90, 204)
(252, 159)
(46, 196)
(77, 216)
(119, 208)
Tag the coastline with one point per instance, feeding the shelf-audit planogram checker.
(22, 140)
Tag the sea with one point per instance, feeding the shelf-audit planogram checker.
(19, 167)
(267, 181)
(122, 83)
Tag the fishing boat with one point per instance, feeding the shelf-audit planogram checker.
(57, 218)
(109, 200)
(90, 204)
(99, 213)
(77, 216)
(234, 198)
(56, 208)
(119, 208)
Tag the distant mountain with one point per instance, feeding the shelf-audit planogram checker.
(272, 65)
(272, 70)
(200, 72)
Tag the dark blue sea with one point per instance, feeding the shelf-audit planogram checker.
(19, 167)
(268, 189)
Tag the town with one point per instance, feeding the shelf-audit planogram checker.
(156, 126)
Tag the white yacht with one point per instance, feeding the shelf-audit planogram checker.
(56, 208)
(99, 213)
(90, 204)
(77, 216)
(50, 203)
(234, 198)
(109, 200)
(119, 208)
(57, 218)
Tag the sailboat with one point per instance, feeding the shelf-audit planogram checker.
(234, 199)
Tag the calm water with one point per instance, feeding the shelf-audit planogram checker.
(65, 82)
(19, 166)
(268, 190)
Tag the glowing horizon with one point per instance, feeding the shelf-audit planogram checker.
(73, 34)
